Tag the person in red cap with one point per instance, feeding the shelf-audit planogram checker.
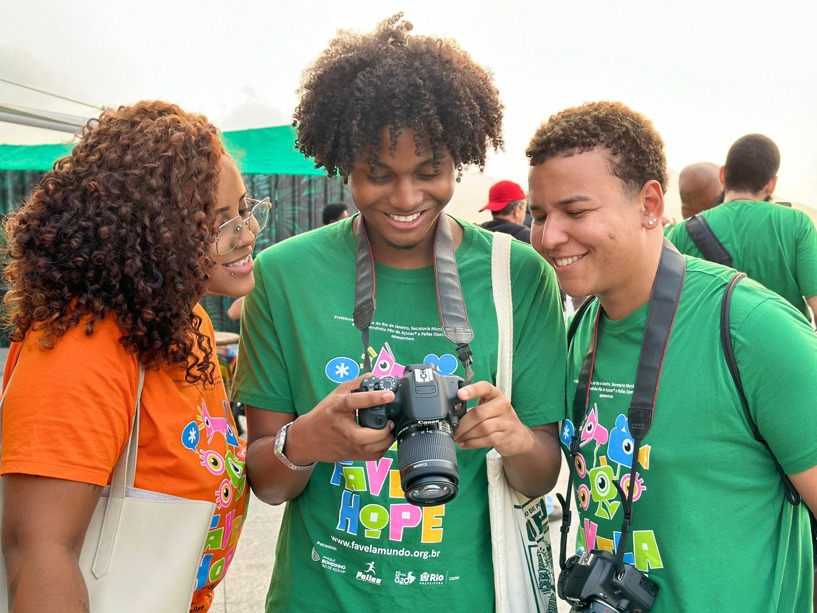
(507, 204)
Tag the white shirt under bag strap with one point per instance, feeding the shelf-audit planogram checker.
(503, 303)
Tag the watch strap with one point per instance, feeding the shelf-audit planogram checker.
(278, 449)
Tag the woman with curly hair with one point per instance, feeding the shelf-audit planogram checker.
(398, 117)
(109, 258)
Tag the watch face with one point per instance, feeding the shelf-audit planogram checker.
(280, 439)
(278, 450)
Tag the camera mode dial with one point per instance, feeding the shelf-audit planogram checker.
(377, 417)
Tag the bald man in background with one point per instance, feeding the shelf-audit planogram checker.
(700, 188)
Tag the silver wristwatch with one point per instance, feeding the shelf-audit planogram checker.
(278, 449)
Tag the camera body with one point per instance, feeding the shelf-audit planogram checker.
(425, 412)
(592, 583)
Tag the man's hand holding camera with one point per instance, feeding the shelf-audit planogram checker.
(530, 456)
(329, 432)
(492, 423)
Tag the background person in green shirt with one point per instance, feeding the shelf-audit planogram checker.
(398, 117)
(699, 187)
(773, 244)
(711, 525)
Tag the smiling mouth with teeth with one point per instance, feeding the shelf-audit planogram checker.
(560, 262)
(240, 262)
(404, 218)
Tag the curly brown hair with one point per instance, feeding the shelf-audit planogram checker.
(635, 149)
(122, 226)
(363, 82)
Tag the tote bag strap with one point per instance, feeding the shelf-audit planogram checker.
(503, 303)
(123, 476)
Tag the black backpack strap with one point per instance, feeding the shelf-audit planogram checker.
(577, 316)
(702, 235)
(729, 352)
(726, 340)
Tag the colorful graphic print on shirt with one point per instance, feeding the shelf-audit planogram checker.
(382, 477)
(213, 438)
(606, 456)
(342, 368)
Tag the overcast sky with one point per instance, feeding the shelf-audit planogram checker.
(705, 72)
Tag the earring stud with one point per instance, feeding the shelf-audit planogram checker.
(652, 221)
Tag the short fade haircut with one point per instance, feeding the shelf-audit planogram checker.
(364, 82)
(753, 160)
(331, 212)
(635, 150)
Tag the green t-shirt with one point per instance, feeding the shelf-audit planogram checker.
(711, 524)
(773, 244)
(350, 541)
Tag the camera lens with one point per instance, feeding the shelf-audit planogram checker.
(427, 458)
(429, 494)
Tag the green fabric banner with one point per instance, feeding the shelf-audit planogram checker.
(32, 157)
(262, 151)
(268, 151)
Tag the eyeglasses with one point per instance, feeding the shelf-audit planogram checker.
(230, 232)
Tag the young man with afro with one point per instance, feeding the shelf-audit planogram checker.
(398, 117)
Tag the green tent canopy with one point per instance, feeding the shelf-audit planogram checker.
(31, 157)
(262, 151)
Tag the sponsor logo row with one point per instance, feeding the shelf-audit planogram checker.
(369, 573)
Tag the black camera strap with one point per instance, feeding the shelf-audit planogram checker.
(453, 315)
(664, 299)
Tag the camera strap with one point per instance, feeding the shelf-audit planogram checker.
(450, 302)
(664, 298)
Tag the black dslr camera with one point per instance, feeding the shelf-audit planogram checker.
(425, 411)
(592, 583)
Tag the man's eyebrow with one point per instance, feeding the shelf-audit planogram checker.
(572, 200)
(534, 206)
(425, 162)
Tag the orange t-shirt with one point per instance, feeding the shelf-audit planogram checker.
(68, 412)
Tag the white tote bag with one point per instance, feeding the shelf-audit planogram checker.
(520, 533)
(142, 549)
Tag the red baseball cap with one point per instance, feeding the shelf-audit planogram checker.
(501, 194)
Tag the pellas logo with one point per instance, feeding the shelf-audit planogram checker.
(368, 576)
